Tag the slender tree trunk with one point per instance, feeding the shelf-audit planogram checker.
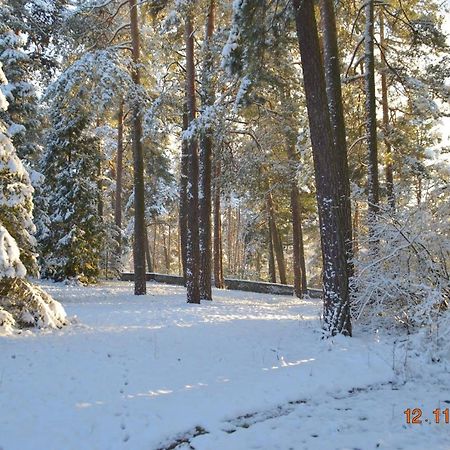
(258, 266)
(206, 145)
(229, 240)
(386, 127)
(218, 251)
(169, 254)
(371, 114)
(277, 244)
(298, 263)
(299, 266)
(326, 167)
(155, 239)
(192, 251)
(356, 230)
(100, 204)
(183, 207)
(271, 257)
(119, 178)
(148, 255)
(138, 164)
(166, 254)
(334, 94)
(180, 268)
(236, 251)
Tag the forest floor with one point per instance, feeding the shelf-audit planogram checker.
(246, 371)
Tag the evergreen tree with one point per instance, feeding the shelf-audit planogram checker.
(21, 303)
(73, 244)
(16, 201)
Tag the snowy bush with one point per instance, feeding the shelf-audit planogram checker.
(404, 278)
(23, 304)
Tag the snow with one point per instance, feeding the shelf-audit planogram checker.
(3, 81)
(16, 129)
(10, 264)
(244, 371)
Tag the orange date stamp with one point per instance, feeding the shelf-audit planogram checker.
(414, 416)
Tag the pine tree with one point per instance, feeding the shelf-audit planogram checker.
(371, 113)
(21, 303)
(327, 175)
(192, 238)
(73, 244)
(205, 161)
(138, 163)
(16, 200)
(22, 116)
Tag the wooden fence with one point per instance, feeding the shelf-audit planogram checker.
(230, 283)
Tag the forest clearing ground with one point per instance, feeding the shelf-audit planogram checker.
(244, 371)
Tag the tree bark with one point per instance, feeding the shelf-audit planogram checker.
(386, 127)
(119, 174)
(326, 167)
(100, 204)
(334, 93)
(229, 240)
(218, 248)
(299, 266)
(298, 263)
(371, 114)
(166, 250)
(206, 145)
(271, 258)
(276, 239)
(192, 250)
(138, 163)
(183, 207)
(155, 239)
(148, 254)
(356, 230)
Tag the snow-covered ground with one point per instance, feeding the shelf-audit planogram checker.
(247, 371)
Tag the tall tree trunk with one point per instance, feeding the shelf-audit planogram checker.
(386, 127)
(326, 167)
(229, 240)
(192, 250)
(299, 266)
(183, 207)
(119, 178)
(180, 268)
(138, 164)
(236, 251)
(100, 204)
(276, 239)
(148, 254)
(169, 254)
(206, 144)
(371, 114)
(218, 249)
(334, 94)
(271, 257)
(298, 263)
(155, 239)
(356, 230)
(258, 266)
(166, 251)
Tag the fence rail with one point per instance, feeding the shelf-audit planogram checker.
(230, 283)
